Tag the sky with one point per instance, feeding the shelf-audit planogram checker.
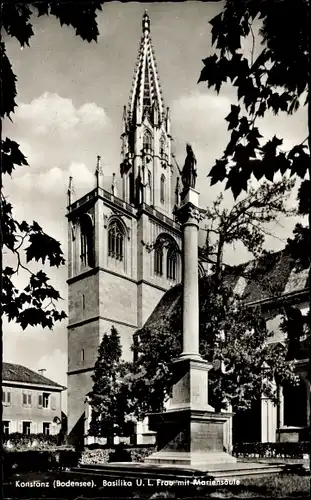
(70, 100)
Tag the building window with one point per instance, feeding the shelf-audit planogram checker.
(83, 302)
(171, 264)
(162, 188)
(115, 241)
(45, 400)
(158, 261)
(26, 427)
(6, 397)
(5, 427)
(87, 243)
(147, 141)
(46, 428)
(82, 355)
(26, 398)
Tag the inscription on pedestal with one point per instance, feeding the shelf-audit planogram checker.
(207, 436)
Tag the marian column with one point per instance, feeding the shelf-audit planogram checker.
(189, 215)
(190, 432)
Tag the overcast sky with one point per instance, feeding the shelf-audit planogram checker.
(70, 100)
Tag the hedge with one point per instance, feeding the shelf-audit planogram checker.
(104, 455)
(39, 461)
(272, 450)
(18, 440)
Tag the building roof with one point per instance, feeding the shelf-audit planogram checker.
(262, 280)
(18, 373)
(266, 278)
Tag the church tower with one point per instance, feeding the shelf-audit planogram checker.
(123, 252)
(146, 169)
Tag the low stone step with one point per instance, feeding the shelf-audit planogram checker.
(153, 472)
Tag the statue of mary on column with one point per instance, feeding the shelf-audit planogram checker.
(189, 172)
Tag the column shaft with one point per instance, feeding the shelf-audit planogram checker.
(190, 290)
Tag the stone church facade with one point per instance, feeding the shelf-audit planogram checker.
(123, 252)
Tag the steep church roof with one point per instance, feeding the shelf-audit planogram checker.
(257, 281)
(146, 90)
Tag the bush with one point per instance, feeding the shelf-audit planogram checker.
(17, 441)
(120, 454)
(69, 458)
(38, 461)
(272, 450)
(102, 455)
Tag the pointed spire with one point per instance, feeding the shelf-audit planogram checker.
(146, 89)
(146, 23)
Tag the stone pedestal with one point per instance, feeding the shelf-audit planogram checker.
(189, 432)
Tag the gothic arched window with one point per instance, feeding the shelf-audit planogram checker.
(171, 264)
(158, 261)
(162, 188)
(115, 241)
(87, 240)
(147, 141)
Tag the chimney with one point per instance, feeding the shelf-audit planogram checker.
(42, 370)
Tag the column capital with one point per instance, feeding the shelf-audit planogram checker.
(188, 213)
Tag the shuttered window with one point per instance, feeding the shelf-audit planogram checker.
(6, 397)
(53, 402)
(24, 398)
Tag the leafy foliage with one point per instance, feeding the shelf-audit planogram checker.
(246, 222)
(109, 398)
(296, 327)
(39, 461)
(300, 244)
(35, 304)
(149, 379)
(276, 80)
(272, 450)
(231, 334)
(23, 441)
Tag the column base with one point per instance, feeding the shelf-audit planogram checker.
(189, 437)
(200, 461)
(189, 432)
